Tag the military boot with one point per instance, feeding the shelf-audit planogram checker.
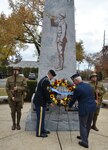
(18, 127)
(13, 115)
(94, 123)
(18, 120)
(94, 128)
(14, 127)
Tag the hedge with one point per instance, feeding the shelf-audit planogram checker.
(8, 71)
(31, 89)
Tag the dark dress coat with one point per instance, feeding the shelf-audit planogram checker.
(85, 96)
(42, 96)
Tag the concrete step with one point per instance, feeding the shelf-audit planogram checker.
(2, 98)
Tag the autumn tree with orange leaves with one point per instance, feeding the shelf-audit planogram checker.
(22, 27)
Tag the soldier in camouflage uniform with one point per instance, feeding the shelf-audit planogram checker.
(16, 86)
(99, 91)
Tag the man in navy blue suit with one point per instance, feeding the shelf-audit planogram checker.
(87, 106)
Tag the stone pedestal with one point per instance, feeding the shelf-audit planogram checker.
(30, 124)
(57, 119)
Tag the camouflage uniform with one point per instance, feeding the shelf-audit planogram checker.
(98, 96)
(17, 104)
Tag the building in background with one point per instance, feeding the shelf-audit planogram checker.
(25, 64)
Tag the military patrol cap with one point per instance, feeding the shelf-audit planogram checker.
(75, 76)
(52, 72)
(93, 75)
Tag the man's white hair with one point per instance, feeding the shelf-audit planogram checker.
(78, 79)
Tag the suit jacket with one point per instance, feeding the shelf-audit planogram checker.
(85, 96)
(42, 96)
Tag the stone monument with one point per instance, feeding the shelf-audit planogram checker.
(57, 53)
(58, 39)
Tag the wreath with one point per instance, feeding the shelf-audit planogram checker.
(61, 91)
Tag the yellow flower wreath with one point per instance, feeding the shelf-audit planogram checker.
(58, 84)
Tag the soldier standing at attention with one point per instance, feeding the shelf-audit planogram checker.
(99, 91)
(15, 87)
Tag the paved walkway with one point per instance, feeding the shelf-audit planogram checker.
(26, 140)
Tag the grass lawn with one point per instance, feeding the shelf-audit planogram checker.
(3, 92)
(106, 95)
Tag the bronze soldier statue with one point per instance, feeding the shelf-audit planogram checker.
(99, 91)
(16, 86)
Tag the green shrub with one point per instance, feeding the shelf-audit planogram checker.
(26, 71)
(31, 89)
(3, 92)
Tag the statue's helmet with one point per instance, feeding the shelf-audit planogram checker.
(62, 14)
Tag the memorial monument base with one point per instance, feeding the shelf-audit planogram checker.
(56, 119)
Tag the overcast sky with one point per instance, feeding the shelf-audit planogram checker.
(91, 19)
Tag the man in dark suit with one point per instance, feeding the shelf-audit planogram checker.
(87, 106)
(42, 97)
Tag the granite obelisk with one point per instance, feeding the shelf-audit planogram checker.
(58, 39)
(57, 53)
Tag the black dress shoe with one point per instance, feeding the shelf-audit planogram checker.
(83, 144)
(79, 137)
(46, 132)
(43, 135)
